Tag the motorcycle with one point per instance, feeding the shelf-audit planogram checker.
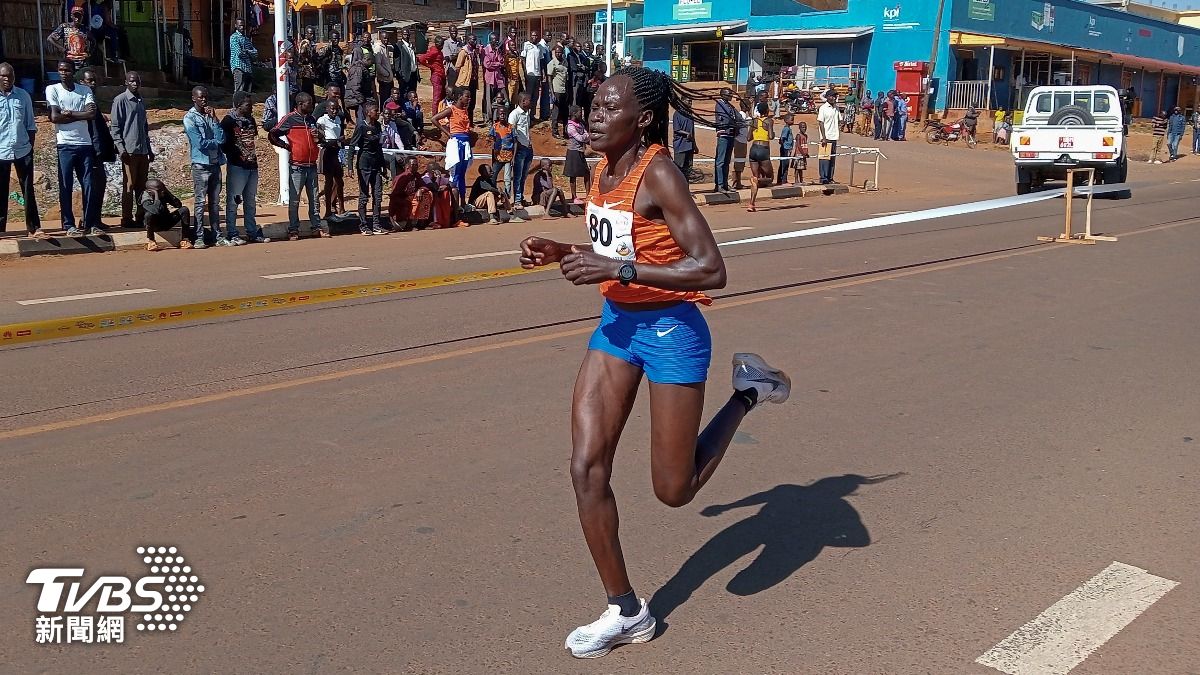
(798, 102)
(938, 132)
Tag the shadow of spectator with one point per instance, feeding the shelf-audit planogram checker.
(794, 524)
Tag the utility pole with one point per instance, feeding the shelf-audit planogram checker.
(937, 34)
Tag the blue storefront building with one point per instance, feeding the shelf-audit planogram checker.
(989, 53)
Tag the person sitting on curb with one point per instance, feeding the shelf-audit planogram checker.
(486, 196)
(157, 204)
(546, 193)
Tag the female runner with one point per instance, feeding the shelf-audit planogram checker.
(653, 255)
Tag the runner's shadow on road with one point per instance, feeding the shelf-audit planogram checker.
(794, 524)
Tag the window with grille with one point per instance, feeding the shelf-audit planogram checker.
(421, 2)
(555, 25)
(460, 4)
(583, 26)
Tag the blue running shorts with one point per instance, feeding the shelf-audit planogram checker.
(672, 345)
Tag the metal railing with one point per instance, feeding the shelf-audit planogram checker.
(963, 94)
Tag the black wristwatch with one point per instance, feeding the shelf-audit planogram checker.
(627, 274)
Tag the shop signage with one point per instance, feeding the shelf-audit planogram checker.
(1144, 32)
(688, 10)
(1043, 19)
(982, 10)
(892, 22)
(1092, 30)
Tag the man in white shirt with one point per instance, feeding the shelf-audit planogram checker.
(523, 152)
(828, 131)
(531, 54)
(71, 107)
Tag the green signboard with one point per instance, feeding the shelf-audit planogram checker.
(982, 10)
(688, 11)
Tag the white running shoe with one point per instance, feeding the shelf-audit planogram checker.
(750, 371)
(600, 636)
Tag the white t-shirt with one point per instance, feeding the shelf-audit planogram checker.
(72, 133)
(331, 126)
(829, 122)
(519, 119)
(533, 59)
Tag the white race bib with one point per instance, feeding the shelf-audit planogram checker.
(611, 231)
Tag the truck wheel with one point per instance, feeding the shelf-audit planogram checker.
(1022, 188)
(1071, 115)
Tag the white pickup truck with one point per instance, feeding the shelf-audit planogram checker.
(1067, 128)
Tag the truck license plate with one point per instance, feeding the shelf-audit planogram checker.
(1066, 142)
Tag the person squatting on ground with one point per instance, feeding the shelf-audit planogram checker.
(487, 197)
(205, 137)
(17, 133)
(297, 133)
(241, 176)
(546, 193)
(156, 206)
(653, 256)
(367, 145)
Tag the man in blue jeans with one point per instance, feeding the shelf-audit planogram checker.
(71, 106)
(242, 175)
(1176, 124)
(728, 122)
(205, 137)
(523, 155)
(297, 133)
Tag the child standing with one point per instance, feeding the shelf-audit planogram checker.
(332, 133)
(801, 153)
(503, 148)
(787, 144)
(576, 165)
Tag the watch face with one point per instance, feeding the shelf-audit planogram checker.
(626, 273)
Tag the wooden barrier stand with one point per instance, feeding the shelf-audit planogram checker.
(1087, 237)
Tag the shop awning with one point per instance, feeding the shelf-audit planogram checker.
(691, 29)
(803, 35)
(958, 39)
(1170, 68)
(547, 8)
(298, 5)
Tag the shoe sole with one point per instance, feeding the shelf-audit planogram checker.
(644, 635)
(758, 362)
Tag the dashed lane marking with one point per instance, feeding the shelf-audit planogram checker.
(85, 296)
(492, 254)
(1061, 637)
(313, 273)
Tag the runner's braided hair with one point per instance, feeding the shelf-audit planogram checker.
(657, 92)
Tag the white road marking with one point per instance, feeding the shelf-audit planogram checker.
(1061, 637)
(929, 214)
(810, 221)
(85, 296)
(732, 229)
(481, 255)
(311, 273)
(889, 213)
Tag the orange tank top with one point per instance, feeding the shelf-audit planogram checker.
(618, 231)
(460, 120)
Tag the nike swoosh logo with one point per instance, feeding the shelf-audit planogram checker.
(664, 333)
(609, 206)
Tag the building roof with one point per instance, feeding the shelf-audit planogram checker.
(690, 28)
(546, 8)
(802, 35)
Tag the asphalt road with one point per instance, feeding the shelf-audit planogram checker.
(979, 425)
